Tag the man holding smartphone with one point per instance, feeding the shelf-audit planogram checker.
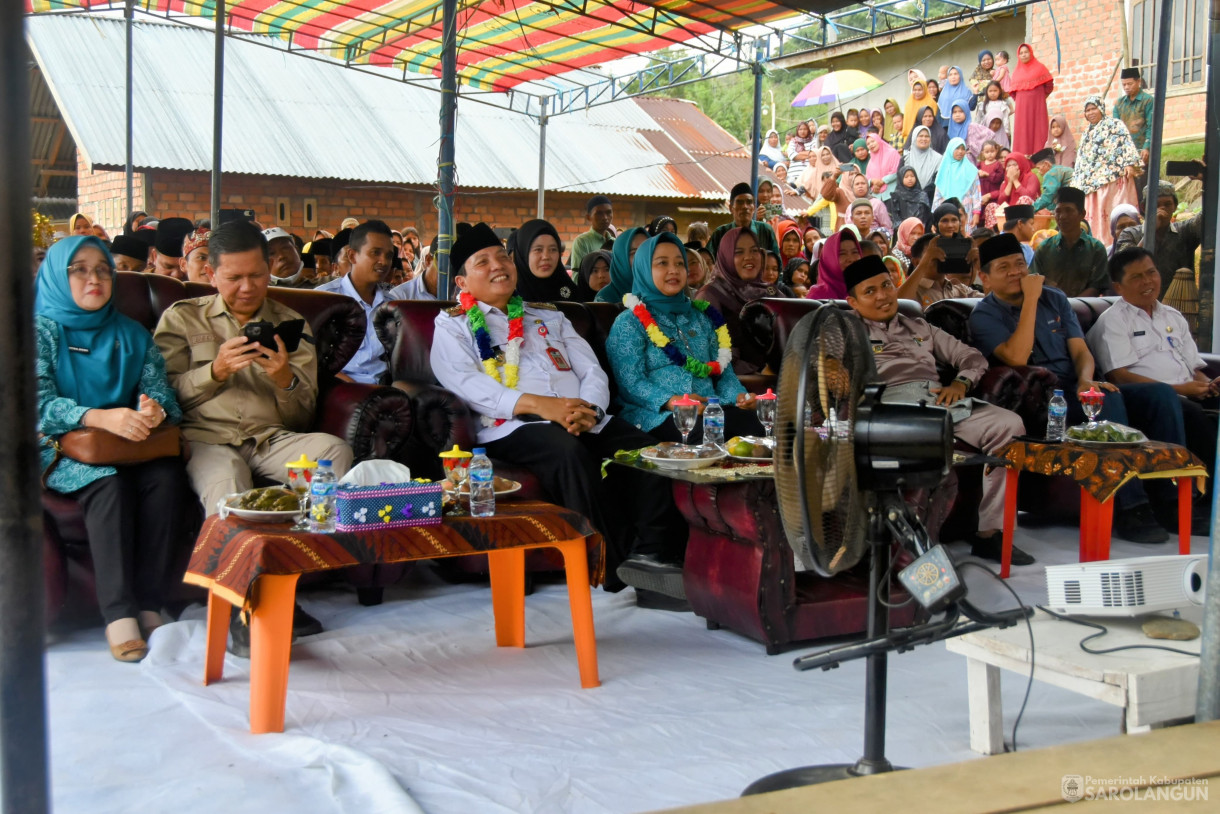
(246, 405)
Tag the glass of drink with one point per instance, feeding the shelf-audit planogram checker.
(766, 410)
(300, 474)
(1091, 401)
(686, 415)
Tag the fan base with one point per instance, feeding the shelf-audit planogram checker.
(812, 775)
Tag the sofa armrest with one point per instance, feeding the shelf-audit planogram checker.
(441, 420)
(1212, 364)
(1039, 385)
(1002, 386)
(375, 421)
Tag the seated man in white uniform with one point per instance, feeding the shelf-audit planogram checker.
(541, 396)
(371, 248)
(906, 351)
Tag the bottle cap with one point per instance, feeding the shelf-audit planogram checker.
(713, 400)
(480, 451)
(323, 462)
(1058, 392)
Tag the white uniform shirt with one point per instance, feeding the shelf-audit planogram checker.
(1159, 346)
(413, 289)
(367, 365)
(457, 366)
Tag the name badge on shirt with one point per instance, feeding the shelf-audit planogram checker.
(1138, 333)
(557, 359)
(878, 345)
(75, 349)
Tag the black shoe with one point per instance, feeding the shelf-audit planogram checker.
(303, 624)
(645, 598)
(1138, 525)
(992, 548)
(239, 632)
(647, 572)
(1200, 519)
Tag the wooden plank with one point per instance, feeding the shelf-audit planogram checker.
(1021, 781)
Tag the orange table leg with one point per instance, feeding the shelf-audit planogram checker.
(1184, 507)
(218, 631)
(1088, 506)
(1105, 526)
(576, 566)
(508, 595)
(270, 649)
(1010, 520)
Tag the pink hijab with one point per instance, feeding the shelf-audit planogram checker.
(904, 234)
(883, 161)
(830, 285)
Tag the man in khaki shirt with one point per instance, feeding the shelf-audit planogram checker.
(246, 408)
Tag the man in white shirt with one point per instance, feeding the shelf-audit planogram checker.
(542, 401)
(423, 285)
(1141, 340)
(372, 250)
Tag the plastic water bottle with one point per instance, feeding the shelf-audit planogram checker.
(713, 423)
(1056, 417)
(482, 485)
(322, 509)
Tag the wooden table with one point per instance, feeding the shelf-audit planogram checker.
(256, 567)
(1100, 473)
(1150, 686)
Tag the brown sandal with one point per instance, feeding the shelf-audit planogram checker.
(134, 650)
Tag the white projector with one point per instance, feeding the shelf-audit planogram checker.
(1130, 587)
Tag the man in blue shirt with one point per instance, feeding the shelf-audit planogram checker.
(1022, 323)
(372, 250)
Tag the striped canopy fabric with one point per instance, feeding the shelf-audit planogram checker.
(501, 43)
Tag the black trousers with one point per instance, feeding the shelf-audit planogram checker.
(633, 509)
(134, 520)
(1200, 427)
(736, 422)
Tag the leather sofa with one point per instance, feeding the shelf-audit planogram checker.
(374, 420)
(1052, 497)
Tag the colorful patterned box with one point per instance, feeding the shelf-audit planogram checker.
(390, 505)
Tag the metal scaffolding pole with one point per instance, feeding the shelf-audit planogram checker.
(218, 108)
(1161, 82)
(444, 164)
(1209, 336)
(23, 717)
(756, 135)
(129, 13)
(543, 119)
(1207, 705)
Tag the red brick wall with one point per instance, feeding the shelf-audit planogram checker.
(102, 195)
(188, 194)
(1090, 43)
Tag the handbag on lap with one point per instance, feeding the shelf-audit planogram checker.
(103, 448)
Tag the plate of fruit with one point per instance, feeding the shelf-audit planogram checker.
(1106, 435)
(751, 448)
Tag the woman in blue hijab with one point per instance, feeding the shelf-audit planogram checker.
(97, 368)
(956, 90)
(624, 249)
(666, 345)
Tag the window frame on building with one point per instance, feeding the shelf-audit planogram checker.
(1188, 43)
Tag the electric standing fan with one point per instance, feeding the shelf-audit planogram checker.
(842, 460)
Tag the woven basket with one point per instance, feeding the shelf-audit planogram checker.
(1183, 295)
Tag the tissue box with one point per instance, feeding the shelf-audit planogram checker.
(388, 506)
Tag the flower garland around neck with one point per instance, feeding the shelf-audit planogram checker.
(476, 320)
(724, 356)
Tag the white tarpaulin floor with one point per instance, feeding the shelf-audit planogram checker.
(410, 706)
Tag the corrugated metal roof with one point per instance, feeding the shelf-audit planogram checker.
(291, 116)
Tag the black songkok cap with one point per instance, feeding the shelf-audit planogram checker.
(1019, 211)
(129, 246)
(865, 268)
(1129, 73)
(740, 189)
(1071, 195)
(476, 238)
(339, 242)
(999, 246)
(1045, 154)
(170, 233)
(318, 248)
(596, 201)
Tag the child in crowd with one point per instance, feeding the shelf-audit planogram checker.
(1000, 72)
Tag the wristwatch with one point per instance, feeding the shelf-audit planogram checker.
(293, 384)
(600, 414)
(965, 382)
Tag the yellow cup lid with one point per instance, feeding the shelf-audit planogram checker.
(455, 453)
(302, 463)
